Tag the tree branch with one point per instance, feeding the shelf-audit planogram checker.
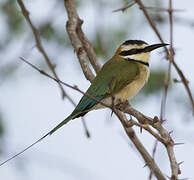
(166, 138)
(141, 149)
(46, 57)
(72, 26)
(179, 71)
(88, 48)
(39, 44)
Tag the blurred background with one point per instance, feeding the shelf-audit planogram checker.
(31, 104)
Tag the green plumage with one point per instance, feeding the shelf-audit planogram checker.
(117, 73)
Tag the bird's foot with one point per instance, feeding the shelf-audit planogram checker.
(122, 104)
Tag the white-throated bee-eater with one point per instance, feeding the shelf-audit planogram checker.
(127, 71)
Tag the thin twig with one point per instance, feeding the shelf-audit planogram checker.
(171, 59)
(148, 129)
(173, 162)
(46, 57)
(124, 8)
(39, 44)
(179, 71)
(158, 9)
(153, 156)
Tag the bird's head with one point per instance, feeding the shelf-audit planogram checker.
(136, 50)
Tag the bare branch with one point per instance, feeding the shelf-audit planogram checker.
(124, 8)
(39, 44)
(174, 165)
(155, 123)
(88, 48)
(72, 26)
(46, 57)
(158, 9)
(63, 83)
(153, 156)
(141, 149)
(171, 59)
(179, 71)
(147, 128)
(79, 40)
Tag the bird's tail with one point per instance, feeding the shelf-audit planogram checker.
(72, 116)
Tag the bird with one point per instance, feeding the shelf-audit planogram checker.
(121, 77)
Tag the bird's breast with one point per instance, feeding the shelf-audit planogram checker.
(130, 90)
(134, 87)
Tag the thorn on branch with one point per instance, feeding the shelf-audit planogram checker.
(170, 132)
(179, 171)
(130, 123)
(80, 22)
(80, 51)
(145, 165)
(173, 177)
(141, 130)
(156, 119)
(54, 66)
(88, 134)
(124, 8)
(180, 163)
(176, 144)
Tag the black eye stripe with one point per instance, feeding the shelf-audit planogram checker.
(130, 52)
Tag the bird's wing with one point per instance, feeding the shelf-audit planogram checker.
(114, 76)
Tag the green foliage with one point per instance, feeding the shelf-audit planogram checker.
(104, 47)
(14, 18)
(155, 82)
(46, 31)
(50, 33)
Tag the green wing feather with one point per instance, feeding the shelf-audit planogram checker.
(116, 71)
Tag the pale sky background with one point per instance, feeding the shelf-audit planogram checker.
(32, 106)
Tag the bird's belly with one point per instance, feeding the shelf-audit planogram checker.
(133, 88)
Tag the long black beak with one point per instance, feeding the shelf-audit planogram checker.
(154, 46)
